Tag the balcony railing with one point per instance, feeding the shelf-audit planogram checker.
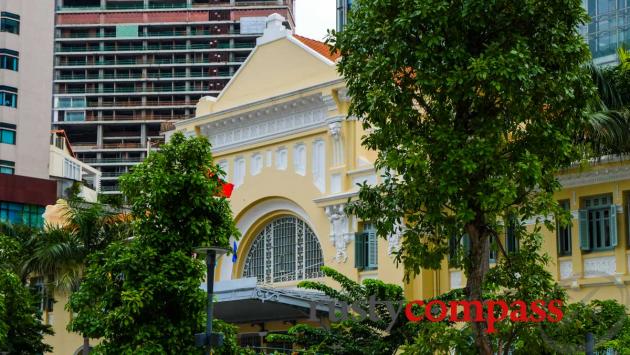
(69, 63)
(147, 103)
(110, 188)
(112, 160)
(131, 118)
(112, 174)
(133, 90)
(141, 76)
(152, 48)
(154, 6)
(107, 146)
(173, 33)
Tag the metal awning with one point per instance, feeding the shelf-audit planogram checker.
(243, 301)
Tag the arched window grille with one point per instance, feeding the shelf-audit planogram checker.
(286, 249)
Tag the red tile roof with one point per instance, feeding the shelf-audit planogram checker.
(319, 47)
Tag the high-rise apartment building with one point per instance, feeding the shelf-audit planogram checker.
(609, 28)
(26, 56)
(125, 68)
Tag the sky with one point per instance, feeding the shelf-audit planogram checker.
(314, 17)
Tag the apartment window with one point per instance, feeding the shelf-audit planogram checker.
(366, 248)
(564, 234)
(71, 170)
(9, 22)
(18, 213)
(7, 133)
(8, 96)
(9, 59)
(598, 224)
(71, 102)
(74, 116)
(7, 167)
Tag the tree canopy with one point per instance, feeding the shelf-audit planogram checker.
(472, 107)
(143, 296)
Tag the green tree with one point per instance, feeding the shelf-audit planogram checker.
(143, 296)
(21, 328)
(59, 253)
(472, 107)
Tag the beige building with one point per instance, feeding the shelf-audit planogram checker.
(26, 59)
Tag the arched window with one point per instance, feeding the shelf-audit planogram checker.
(286, 249)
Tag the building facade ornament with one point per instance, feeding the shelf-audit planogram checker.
(334, 128)
(599, 176)
(394, 240)
(340, 234)
(601, 266)
(265, 124)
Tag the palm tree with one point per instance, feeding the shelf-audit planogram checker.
(607, 130)
(60, 252)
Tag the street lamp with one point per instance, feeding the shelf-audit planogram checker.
(209, 339)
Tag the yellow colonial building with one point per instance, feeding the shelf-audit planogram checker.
(281, 132)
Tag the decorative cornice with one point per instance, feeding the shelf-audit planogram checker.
(599, 176)
(264, 124)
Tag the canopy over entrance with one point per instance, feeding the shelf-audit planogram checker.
(243, 301)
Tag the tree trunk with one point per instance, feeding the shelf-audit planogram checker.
(479, 265)
(86, 346)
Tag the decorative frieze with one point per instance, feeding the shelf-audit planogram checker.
(601, 266)
(598, 176)
(262, 125)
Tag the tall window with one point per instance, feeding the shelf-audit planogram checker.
(598, 224)
(7, 167)
(8, 96)
(9, 59)
(9, 22)
(18, 213)
(511, 240)
(285, 250)
(7, 133)
(366, 248)
(564, 234)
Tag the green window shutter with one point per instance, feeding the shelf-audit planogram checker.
(466, 244)
(359, 250)
(613, 225)
(583, 230)
(372, 249)
(452, 247)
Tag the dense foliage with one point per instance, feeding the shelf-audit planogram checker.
(143, 296)
(472, 107)
(21, 328)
